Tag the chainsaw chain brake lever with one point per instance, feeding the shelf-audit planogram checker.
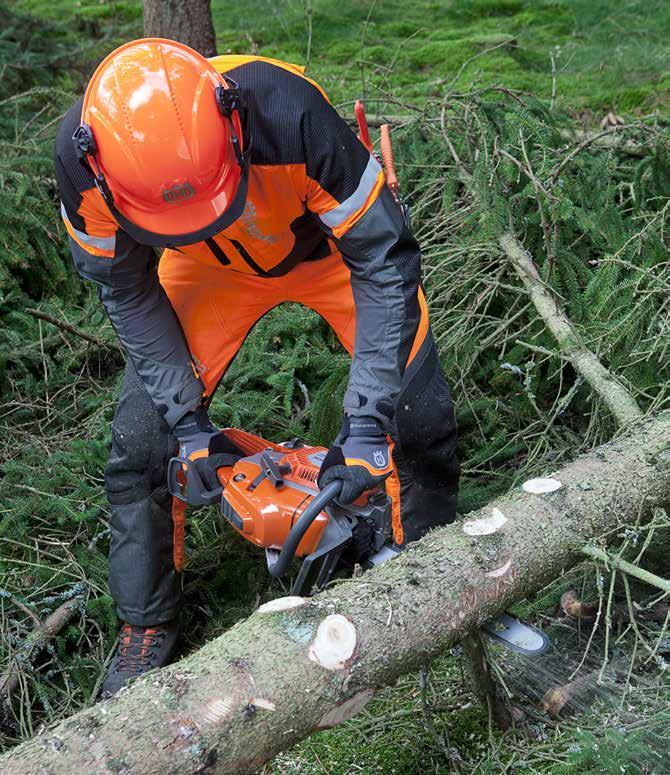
(185, 483)
(272, 471)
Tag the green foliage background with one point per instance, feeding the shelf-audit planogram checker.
(521, 409)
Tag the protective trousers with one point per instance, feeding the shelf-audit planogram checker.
(217, 309)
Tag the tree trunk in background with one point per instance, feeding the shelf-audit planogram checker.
(299, 665)
(188, 21)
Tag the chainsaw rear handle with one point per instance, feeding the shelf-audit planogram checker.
(190, 489)
(315, 507)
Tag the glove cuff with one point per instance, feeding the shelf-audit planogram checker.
(360, 426)
(334, 457)
(192, 423)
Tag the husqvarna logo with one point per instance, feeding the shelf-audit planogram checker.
(178, 193)
(379, 458)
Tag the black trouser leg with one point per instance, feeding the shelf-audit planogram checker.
(425, 453)
(142, 578)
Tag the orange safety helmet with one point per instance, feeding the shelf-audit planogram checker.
(162, 133)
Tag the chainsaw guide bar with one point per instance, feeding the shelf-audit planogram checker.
(516, 635)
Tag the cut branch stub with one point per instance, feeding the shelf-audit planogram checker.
(346, 710)
(541, 485)
(501, 571)
(281, 604)
(334, 642)
(219, 710)
(486, 525)
(262, 702)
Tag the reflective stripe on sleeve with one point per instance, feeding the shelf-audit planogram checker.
(345, 210)
(97, 246)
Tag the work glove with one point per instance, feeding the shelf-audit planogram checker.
(360, 458)
(207, 448)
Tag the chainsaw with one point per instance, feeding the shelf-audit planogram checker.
(270, 496)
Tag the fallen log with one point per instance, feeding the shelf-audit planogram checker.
(300, 665)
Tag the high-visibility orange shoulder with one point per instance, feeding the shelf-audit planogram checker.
(98, 220)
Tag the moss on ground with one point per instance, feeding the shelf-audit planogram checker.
(608, 54)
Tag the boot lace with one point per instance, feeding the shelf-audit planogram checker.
(136, 647)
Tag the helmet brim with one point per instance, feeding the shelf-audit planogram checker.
(185, 223)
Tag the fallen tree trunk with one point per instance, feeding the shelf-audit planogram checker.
(280, 675)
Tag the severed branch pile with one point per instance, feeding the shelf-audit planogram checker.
(299, 665)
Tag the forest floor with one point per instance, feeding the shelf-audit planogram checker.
(608, 55)
(59, 392)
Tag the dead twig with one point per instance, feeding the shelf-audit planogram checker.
(36, 313)
(589, 140)
(38, 638)
(308, 22)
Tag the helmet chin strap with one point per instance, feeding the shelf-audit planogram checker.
(231, 103)
(155, 240)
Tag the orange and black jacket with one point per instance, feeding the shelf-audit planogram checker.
(313, 188)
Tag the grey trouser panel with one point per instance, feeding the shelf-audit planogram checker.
(142, 578)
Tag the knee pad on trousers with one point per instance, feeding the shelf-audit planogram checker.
(426, 455)
(143, 578)
(141, 444)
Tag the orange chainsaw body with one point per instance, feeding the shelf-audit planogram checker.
(263, 508)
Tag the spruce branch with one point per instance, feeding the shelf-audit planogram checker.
(617, 398)
(36, 313)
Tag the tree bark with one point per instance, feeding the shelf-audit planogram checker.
(188, 22)
(280, 675)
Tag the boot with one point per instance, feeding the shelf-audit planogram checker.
(140, 649)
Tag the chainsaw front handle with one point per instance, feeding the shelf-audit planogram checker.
(185, 483)
(295, 536)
